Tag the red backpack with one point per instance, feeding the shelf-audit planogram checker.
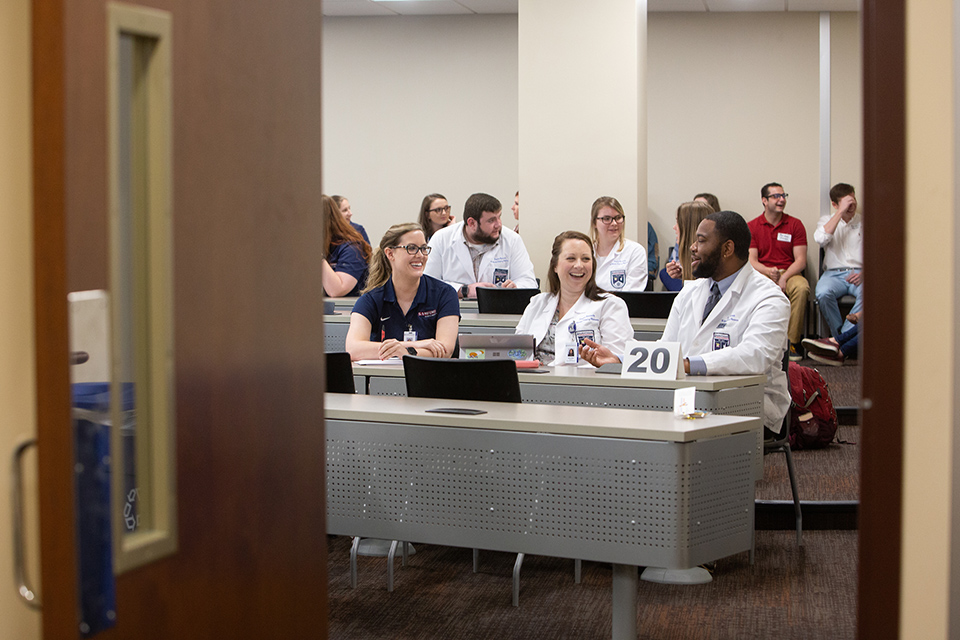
(813, 420)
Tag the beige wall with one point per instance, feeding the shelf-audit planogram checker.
(415, 106)
(17, 390)
(929, 394)
(720, 118)
(578, 112)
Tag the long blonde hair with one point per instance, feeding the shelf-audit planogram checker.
(380, 268)
(689, 216)
(600, 203)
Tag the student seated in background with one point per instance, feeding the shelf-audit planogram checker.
(402, 311)
(841, 236)
(732, 320)
(344, 266)
(621, 263)
(678, 269)
(479, 252)
(574, 308)
(710, 199)
(516, 212)
(435, 214)
(778, 250)
(835, 351)
(653, 256)
(344, 205)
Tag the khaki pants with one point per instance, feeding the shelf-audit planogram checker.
(798, 291)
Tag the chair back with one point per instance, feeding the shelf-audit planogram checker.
(647, 304)
(488, 380)
(497, 300)
(339, 373)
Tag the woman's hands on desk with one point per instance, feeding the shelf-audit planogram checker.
(391, 348)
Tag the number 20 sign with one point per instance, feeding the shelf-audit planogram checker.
(652, 360)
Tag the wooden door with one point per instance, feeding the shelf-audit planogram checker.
(251, 561)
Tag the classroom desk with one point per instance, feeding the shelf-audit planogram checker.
(626, 487)
(576, 386)
(335, 327)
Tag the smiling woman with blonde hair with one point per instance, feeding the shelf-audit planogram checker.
(402, 310)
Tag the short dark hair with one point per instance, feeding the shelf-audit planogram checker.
(839, 191)
(764, 190)
(730, 225)
(477, 204)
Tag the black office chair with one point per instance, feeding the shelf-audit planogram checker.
(495, 300)
(647, 304)
(490, 380)
(781, 444)
(339, 373)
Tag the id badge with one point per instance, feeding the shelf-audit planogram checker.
(572, 355)
(720, 340)
(409, 336)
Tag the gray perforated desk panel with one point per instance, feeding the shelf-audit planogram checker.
(576, 386)
(335, 327)
(628, 487)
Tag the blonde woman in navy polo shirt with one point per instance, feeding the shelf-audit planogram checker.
(402, 311)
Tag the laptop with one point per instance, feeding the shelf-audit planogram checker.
(481, 346)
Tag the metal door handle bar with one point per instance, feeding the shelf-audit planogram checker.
(19, 557)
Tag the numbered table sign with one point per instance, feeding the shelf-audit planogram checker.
(652, 360)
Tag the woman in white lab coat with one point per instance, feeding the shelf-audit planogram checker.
(574, 308)
(621, 263)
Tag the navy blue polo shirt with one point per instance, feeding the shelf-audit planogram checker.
(347, 258)
(435, 299)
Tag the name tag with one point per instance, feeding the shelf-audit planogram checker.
(652, 360)
(784, 237)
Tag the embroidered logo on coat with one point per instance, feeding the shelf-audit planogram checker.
(429, 313)
(618, 278)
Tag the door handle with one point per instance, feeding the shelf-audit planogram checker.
(19, 556)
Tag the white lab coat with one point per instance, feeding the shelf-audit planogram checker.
(745, 334)
(507, 260)
(607, 319)
(624, 270)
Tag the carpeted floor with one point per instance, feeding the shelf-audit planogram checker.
(790, 592)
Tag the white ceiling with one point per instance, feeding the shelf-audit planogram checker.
(467, 7)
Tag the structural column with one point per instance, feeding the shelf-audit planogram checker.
(582, 116)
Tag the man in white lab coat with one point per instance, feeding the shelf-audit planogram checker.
(732, 320)
(479, 252)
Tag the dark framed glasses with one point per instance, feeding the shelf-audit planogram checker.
(609, 219)
(412, 249)
(445, 209)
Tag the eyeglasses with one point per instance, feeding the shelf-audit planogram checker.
(413, 248)
(445, 209)
(778, 196)
(609, 219)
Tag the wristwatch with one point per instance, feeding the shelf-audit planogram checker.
(464, 290)
(411, 351)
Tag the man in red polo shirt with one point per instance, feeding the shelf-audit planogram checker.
(778, 250)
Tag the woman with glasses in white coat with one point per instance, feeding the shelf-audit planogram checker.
(621, 263)
(574, 308)
(402, 311)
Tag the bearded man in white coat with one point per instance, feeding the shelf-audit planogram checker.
(479, 252)
(732, 320)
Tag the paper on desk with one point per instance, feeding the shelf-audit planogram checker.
(396, 361)
(683, 401)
